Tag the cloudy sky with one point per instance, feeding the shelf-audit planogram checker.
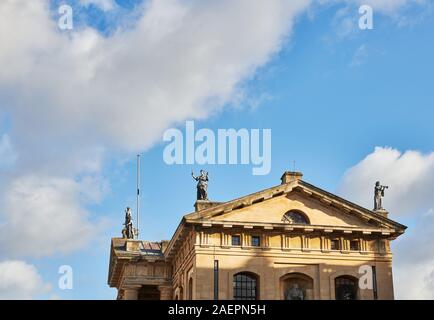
(349, 106)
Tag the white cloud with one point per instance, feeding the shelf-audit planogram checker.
(410, 176)
(42, 215)
(389, 6)
(414, 260)
(8, 155)
(184, 59)
(19, 280)
(345, 23)
(72, 97)
(103, 4)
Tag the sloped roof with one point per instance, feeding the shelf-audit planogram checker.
(296, 186)
(385, 225)
(143, 247)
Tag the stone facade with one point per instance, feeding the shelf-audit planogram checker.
(292, 241)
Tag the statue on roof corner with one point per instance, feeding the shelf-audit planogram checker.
(202, 185)
(128, 230)
(379, 194)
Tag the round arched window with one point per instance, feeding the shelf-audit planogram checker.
(295, 217)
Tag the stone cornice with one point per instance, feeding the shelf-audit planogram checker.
(175, 238)
(280, 255)
(386, 227)
(349, 207)
(270, 227)
(303, 188)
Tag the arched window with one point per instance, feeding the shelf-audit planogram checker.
(295, 217)
(346, 288)
(245, 286)
(190, 289)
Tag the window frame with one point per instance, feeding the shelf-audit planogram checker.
(245, 286)
(336, 241)
(236, 236)
(349, 282)
(258, 237)
(296, 213)
(357, 242)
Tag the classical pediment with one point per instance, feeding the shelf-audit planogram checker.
(295, 203)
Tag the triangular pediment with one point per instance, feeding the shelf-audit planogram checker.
(320, 207)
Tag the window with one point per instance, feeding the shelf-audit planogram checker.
(354, 245)
(346, 288)
(245, 286)
(256, 241)
(236, 240)
(335, 244)
(295, 217)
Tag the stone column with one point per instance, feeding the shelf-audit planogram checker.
(165, 292)
(131, 293)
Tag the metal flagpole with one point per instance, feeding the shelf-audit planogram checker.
(138, 194)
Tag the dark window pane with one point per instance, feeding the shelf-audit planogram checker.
(295, 217)
(354, 245)
(256, 241)
(244, 287)
(345, 288)
(236, 241)
(335, 244)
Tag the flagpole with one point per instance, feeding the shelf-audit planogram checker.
(138, 195)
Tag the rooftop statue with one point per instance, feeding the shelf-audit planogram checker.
(128, 230)
(202, 185)
(378, 195)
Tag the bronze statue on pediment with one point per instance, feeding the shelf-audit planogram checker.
(202, 185)
(378, 196)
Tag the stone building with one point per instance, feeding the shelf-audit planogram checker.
(291, 241)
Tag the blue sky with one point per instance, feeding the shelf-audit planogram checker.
(330, 99)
